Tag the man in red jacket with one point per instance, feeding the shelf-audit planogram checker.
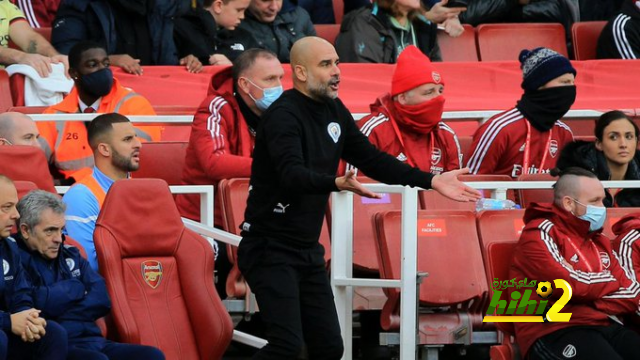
(406, 122)
(528, 138)
(564, 240)
(224, 127)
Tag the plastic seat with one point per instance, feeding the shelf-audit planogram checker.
(234, 193)
(24, 187)
(19, 162)
(162, 160)
(6, 100)
(328, 32)
(527, 196)
(503, 42)
(613, 215)
(338, 10)
(159, 274)
(584, 36)
(449, 250)
(461, 48)
(433, 200)
(499, 231)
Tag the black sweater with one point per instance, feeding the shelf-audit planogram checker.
(298, 147)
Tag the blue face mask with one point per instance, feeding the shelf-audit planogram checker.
(97, 83)
(595, 215)
(269, 95)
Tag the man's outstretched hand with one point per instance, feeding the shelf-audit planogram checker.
(448, 185)
(348, 182)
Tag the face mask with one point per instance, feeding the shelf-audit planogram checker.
(595, 215)
(544, 107)
(97, 83)
(269, 95)
(421, 118)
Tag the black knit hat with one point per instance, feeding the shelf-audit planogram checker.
(541, 65)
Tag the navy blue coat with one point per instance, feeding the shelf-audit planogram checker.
(67, 290)
(14, 286)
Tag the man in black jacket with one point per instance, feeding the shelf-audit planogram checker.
(620, 38)
(300, 141)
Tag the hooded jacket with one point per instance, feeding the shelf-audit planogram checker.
(620, 38)
(220, 144)
(499, 145)
(555, 244)
(366, 36)
(67, 290)
(442, 155)
(627, 231)
(585, 155)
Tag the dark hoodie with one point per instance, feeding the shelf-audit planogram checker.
(547, 251)
(585, 155)
(67, 290)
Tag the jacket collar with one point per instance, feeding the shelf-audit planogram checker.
(558, 216)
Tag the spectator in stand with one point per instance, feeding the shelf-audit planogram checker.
(407, 123)
(204, 31)
(380, 32)
(564, 240)
(95, 91)
(24, 334)
(620, 38)
(320, 11)
(35, 49)
(135, 33)
(63, 284)
(528, 138)
(272, 26)
(40, 13)
(116, 151)
(18, 129)
(613, 156)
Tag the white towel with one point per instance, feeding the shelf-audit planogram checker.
(39, 91)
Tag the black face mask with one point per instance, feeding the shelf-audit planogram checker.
(544, 107)
(97, 83)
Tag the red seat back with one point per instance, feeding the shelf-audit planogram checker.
(6, 100)
(503, 42)
(584, 36)
(527, 196)
(433, 200)
(448, 249)
(19, 162)
(159, 275)
(328, 32)
(338, 10)
(613, 215)
(162, 160)
(24, 187)
(461, 48)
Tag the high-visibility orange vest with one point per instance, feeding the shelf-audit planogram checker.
(65, 142)
(92, 184)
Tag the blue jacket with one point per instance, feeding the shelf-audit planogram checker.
(67, 290)
(15, 289)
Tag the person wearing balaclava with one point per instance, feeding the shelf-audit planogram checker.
(620, 37)
(527, 139)
(406, 122)
(95, 91)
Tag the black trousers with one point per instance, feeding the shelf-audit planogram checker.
(294, 297)
(613, 342)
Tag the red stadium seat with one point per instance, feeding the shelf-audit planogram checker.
(234, 193)
(527, 196)
(24, 187)
(613, 215)
(584, 36)
(159, 274)
(338, 10)
(503, 42)
(19, 162)
(432, 200)
(449, 250)
(461, 48)
(328, 32)
(499, 232)
(162, 160)
(6, 100)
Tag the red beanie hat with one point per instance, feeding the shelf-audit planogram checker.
(412, 70)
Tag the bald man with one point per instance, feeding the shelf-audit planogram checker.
(301, 139)
(18, 129)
